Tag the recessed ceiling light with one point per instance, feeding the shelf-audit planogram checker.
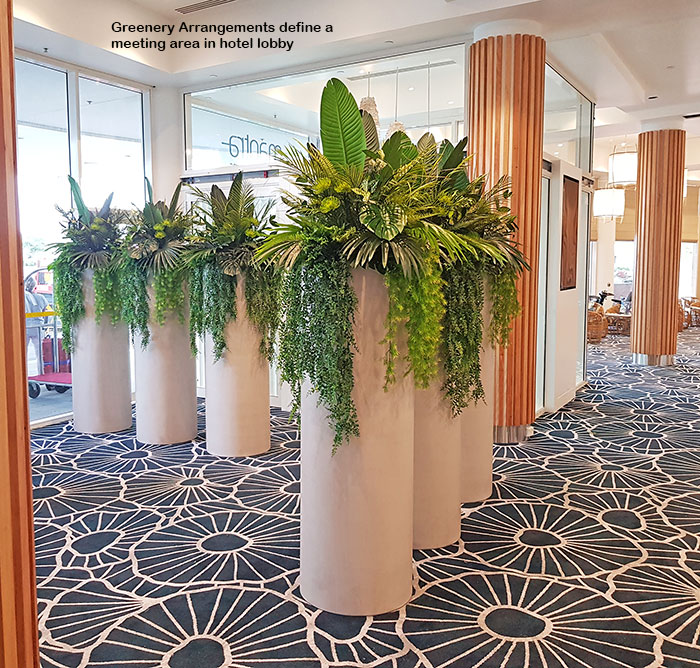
(653, 97)
(450, 102)
(556, 152)
(560, 145)
(411, 88)
(340, 72)
(623, 143)
(388, 41)
(213, 76)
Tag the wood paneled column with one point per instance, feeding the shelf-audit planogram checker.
(18, 616)
(506, 118)
(658, 236)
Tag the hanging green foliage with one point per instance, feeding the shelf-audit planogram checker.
(155, 241)
(317, 343)
(229, 229)
(418, 303)
(504, 304)
(463, 332)
(91, 242)
(68, 297)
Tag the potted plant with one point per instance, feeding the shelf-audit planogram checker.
(154, 296)
(357, 235)
(463, 206)
(234, 304)
(87, 297)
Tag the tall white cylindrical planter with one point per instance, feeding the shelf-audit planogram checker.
(238, 390)
(437, 502)
(477, 427)
(166, 392)
(100, 370)
(357, 505)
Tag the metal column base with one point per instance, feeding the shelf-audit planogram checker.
(653, 360)
(511, 435)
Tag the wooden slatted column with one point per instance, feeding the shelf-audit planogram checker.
(506, 117)
(18, 617)
(658, 236)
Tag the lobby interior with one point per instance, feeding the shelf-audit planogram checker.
(579, 518)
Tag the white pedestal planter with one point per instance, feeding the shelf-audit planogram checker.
(477, 429)
(100, 370)
(238, 390)
(437, 501)
(357, 506)
(166, 393)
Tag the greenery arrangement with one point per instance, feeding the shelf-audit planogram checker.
(154, 245)
(407, 211)
(92, 241)
(229, 230)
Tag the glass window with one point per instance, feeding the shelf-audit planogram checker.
(568, 121)
(687, 283)
(111, 144)
(43, 158)
(238, 125)
(624, 268)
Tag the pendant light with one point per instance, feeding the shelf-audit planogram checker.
(397, 125)
(369, 104)
(622, 165)
(609, 203)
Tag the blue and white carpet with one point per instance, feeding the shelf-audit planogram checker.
(586, 555)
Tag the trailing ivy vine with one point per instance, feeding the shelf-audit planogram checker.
(504, 304)
(68, 297)
(463, 333)
(317, 343)
(418, 303)
(262, 296)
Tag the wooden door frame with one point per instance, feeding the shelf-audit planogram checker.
(19, 643)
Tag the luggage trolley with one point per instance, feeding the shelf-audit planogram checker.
(54, 370)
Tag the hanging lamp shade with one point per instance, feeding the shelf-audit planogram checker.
(396, 126)
(622, 166)
(609, 203)
(369, 104)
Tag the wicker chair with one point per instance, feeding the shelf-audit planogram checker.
(598, 308)
(597, 326)
(694, 312)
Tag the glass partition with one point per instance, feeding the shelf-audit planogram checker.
(568, 121)
(43, 158)
(111, 144)
(240, 126)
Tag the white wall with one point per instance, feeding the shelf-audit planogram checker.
(167, 140)
(564, 325)
(605, 256)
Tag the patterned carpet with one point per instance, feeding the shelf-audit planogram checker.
(587, 554)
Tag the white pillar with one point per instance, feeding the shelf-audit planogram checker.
(238, 389)
(437, 502)
(166, 396)
(100, 370)
(357, 505)
(167, 140)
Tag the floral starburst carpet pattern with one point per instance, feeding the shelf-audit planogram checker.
(586, 555)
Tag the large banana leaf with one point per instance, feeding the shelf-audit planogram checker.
(371, 136)
(83, 211)
(342, 131)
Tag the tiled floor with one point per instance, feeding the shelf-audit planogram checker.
(587, 553)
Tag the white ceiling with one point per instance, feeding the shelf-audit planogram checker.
(618, 52)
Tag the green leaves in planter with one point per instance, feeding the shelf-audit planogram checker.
(154, 247)
(91, 242)
(317, 342)
(342, 130)
(229, 230)
(462, 334)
